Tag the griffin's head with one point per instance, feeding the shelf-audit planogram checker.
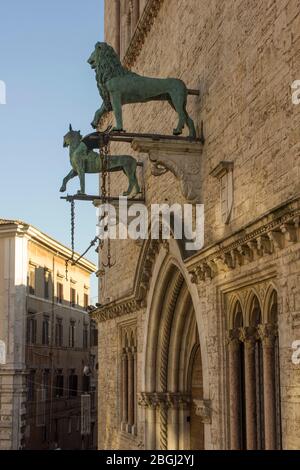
(71, 137)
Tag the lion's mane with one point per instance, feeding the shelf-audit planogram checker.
(108, 65)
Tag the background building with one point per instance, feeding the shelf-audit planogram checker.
(49, 342)
(200, 346)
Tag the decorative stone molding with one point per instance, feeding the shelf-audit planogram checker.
(163, 400)
(182, 158)
(144, 26)
(115, 309)
(167, 325)
(203, 410)
(272, 233)
(137, 299)
(224, 173)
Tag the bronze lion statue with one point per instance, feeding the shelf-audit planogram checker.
(118, 86)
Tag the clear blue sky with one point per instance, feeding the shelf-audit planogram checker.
(44, 46)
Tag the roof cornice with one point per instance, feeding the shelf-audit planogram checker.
(18, 228)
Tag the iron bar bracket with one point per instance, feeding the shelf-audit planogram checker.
(97, 140)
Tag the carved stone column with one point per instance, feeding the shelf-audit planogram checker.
(124, 389)
(173, 421)
(149, 401)
(169, 405)
(249, 339)
(182, 158)
(267, 333)
(234, 390)
(130, 390)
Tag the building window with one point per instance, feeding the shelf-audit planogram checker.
(128, 381)
(60, 292)
(46, 284)
(31, 385)
(72, 334)
(59, 332)
(46, 331)
(85, 337)
(224, 173)
(72, 297)
(73, 384)
(93, 334)
(31, 328)
(31, 280)
(59, 384)
(254, 391)
(85, 300)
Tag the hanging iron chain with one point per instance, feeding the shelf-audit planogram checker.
(104, 151)
(72, 237)
(73, 227)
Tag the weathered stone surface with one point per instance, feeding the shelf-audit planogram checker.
(243, 56)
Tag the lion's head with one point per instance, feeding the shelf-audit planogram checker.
(106, 63)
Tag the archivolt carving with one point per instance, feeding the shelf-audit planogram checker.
(137, 299)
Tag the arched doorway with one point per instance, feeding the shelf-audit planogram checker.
(173, 367)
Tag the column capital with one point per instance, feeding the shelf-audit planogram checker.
(233, 339)
(248, 336)
(267, 333)
(163, 400)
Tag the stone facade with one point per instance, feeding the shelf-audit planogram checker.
(243, 57)
(36, 315)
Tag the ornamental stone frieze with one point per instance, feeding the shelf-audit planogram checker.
(273, 233)
(163, 400)
(182, 158)
(266, 333)
(144, 26)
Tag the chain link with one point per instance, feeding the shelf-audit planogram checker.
(73, 228)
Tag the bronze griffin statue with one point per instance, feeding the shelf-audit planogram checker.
(85, 161)
(118, 86)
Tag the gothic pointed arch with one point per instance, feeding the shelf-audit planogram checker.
(171, 343)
